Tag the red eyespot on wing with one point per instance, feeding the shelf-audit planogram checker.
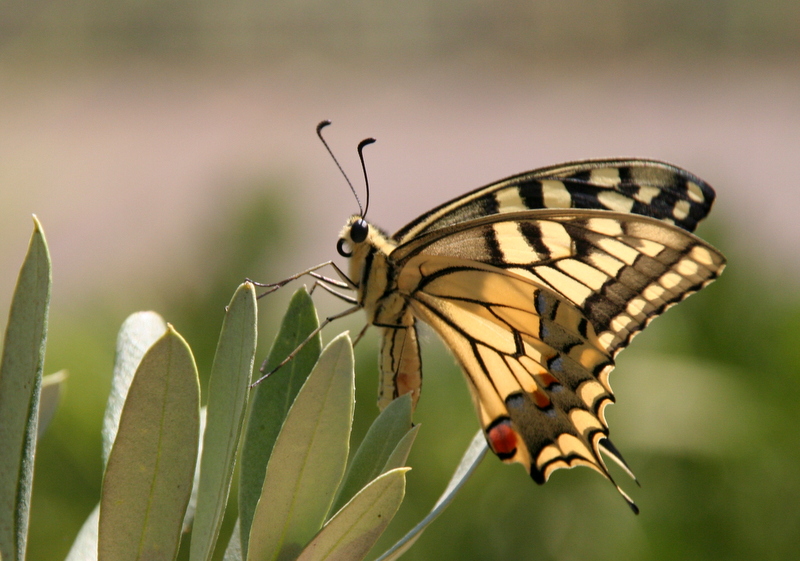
(503, 440)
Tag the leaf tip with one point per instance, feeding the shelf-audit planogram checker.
(172, 333)
(249, 287)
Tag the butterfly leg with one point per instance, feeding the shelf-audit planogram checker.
(334, 282)
(299, 347)
(360, 334)
(345, 282)
(323, 283)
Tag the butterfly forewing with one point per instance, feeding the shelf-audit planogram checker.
(645, 187)
(620, 270)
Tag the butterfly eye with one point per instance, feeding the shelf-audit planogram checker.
(340, 247)
(359, 230)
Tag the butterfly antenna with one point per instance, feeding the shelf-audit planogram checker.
(321, 126)
(365, 142)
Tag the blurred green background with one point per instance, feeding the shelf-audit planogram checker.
(168, 149)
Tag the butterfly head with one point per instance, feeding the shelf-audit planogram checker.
(354, 234)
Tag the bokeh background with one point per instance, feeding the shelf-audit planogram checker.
(169, 150)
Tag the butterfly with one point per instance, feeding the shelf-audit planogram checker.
(534, 283)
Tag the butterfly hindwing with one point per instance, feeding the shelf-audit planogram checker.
(538, 377)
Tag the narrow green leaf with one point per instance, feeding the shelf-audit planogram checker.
(357, 526)
(308, 460)
(401, 451)
(271, 399)
(469, 462)
(378, 444)
(138, 333)
(49, 399)
(20, 383)
(228, 389)
(149, 474)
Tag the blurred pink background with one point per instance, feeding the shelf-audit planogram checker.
(126, 163)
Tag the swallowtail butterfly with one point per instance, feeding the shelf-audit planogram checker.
(534, 283)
